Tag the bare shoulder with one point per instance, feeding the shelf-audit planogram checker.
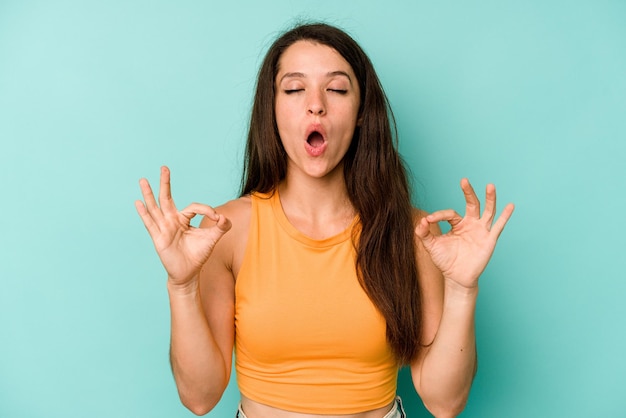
(236, 210)
(217, 276)
(229, 250)
(235, 207)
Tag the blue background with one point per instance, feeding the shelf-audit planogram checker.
(94, 95)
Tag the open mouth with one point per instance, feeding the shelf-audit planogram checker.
(315, 139)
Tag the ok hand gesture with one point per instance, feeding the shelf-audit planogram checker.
(463, 253)
(182, 248)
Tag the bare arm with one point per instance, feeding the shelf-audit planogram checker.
(443, 372)
(201, 365)
(200, 344)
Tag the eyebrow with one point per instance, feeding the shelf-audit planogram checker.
(329, 74)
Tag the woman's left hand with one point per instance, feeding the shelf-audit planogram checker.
(463, 253)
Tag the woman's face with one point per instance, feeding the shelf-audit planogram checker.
(317, 104)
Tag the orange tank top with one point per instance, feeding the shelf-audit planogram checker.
(308, 339)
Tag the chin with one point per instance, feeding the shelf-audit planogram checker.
(324, 173)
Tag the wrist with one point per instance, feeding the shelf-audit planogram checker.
(189, 288)
(460, 292)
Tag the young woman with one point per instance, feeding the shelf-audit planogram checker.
(322, 276)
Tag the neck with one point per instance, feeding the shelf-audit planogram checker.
(319, 208)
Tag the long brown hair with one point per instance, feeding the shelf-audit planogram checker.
(375, 177)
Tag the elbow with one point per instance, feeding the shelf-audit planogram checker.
(200, 405)
(447, 410)
(198, 398)
(449, 399)
(198, 408)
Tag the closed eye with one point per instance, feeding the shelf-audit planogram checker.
(339, 91)
(291, 91)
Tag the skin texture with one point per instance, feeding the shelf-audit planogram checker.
(316, 91)
(317, 79)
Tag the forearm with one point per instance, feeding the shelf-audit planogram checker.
(198, 365)
(449, 364)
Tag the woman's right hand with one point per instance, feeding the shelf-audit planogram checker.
(182, 248)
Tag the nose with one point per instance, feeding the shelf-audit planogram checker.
(316, 105)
